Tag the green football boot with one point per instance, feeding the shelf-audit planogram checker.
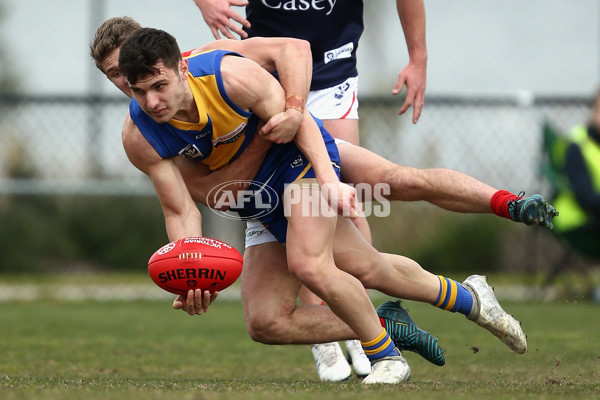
(407, 335)
(532, 210)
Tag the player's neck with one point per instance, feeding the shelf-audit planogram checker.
(188, 111)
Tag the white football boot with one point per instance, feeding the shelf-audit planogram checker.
(357, 358)
(391, 370)
(331, 364)
(488, 314)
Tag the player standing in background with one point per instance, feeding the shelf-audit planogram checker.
(333, 29)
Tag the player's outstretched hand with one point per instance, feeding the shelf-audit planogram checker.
(414, 76)
(342, 197)
(220, 17)
(282, 127)
(196, 302)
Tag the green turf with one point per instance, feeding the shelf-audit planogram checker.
(145, 350)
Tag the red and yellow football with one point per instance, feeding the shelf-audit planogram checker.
(195, 263)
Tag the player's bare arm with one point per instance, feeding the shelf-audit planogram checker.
(292, 60)
(182, 217)
(340, 196)
(414, 75)
(286, 55)
(253, 88)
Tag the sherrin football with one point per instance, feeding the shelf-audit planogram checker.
(195, 263)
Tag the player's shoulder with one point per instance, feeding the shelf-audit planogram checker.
(139, 151)
(206, 62)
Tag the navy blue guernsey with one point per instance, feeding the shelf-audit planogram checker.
(333, 28)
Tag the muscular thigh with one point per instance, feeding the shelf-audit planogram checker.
(345, 129)
(267, 286)
(352, 253)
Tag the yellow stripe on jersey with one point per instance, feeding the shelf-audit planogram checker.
(304, 171)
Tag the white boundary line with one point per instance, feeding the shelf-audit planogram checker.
(128, 292)
(70, 292)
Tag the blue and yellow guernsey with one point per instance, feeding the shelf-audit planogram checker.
(223, 131)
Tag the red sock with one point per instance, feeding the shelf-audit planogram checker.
(499, 203)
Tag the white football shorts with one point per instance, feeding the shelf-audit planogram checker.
(337, 102)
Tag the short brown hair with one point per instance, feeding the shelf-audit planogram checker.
(109, 36)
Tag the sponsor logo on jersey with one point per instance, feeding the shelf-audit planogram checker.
(301, 5)
(344, 51)
(231, 136)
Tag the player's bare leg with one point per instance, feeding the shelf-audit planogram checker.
(331, 364)
(269, 294)
(328, 356)
(310, 258)
(445, 188)
(448, 189)
(401, 277)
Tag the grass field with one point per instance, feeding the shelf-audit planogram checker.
(141, 349)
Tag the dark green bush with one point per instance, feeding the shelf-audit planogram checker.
(440, 241)
(48, 233)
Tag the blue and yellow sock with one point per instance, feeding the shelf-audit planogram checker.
(381, 346)
(453, 297)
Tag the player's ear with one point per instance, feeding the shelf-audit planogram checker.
(183, 68)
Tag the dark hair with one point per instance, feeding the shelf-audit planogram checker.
(144, 49)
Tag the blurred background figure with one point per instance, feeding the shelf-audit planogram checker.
(578, 200)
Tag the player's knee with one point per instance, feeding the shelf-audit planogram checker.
(304, 270)
(265, 329)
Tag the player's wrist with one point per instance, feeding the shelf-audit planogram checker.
(295, 102)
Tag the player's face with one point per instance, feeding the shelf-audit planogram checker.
(161, 95)
(110, 65)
